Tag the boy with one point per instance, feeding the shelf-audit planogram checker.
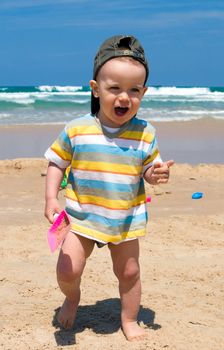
(110, 152)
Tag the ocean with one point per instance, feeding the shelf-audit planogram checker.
(27, 105)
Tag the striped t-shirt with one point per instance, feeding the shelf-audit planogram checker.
(105, 195)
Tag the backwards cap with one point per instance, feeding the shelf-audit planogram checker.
(117, 46)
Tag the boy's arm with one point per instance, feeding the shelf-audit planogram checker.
(158, 173)
(53, 182)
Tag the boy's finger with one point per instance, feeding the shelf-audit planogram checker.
(169, 163)
(51, 218)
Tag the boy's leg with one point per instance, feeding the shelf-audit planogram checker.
(125, 257)
(71, 262)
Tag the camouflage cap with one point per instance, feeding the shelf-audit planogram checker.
(117, 46)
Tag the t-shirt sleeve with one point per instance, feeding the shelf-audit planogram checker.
(153, 155)
(60, 152)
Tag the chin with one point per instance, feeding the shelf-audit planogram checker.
(120, 121)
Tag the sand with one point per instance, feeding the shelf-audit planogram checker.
(182, 264)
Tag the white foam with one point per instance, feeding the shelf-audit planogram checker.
(70, 93)
(178, 91)
(49, 88)
(179, 95)
(185, 92)
(5, 115)
(17, 97)
(80, 102)
(27, 98)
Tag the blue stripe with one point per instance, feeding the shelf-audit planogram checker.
(109, 186)
(63, 137)
(105, 220)
(129, 152)
(140, 122)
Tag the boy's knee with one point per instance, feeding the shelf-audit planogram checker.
(130, 273)
(68, 273)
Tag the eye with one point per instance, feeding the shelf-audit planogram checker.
(114, 88)
(135, 90)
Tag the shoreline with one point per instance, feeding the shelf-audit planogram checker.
(193, 142)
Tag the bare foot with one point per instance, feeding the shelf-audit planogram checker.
(67, 313)
(133, 332)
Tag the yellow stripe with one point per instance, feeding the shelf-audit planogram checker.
(106, 167)
(94, 130)
(153, 156)
(107, 238)
(137, 135)
(84, 130)
(105, 202)
(60, 152)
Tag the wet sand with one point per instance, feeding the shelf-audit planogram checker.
(194, 142)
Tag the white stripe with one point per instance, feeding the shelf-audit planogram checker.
(108, 177)
(104, 141)
(111, 214)
(51, 156)
(98, 240)
(89, 237)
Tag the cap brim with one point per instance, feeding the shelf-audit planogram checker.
(95, 104)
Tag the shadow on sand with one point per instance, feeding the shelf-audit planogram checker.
(101, 318)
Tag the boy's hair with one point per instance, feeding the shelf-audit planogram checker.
(117, 46)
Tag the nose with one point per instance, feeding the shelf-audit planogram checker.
(123, 97)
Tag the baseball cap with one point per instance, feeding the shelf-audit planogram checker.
(117, 46)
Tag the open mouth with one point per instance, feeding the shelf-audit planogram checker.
(120, 111)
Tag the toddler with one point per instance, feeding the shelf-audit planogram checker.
(110, 153)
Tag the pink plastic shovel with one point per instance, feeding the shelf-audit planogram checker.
(58, 230)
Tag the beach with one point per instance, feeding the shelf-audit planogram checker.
(181, 255)
(181, 265)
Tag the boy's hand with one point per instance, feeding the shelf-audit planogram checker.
(51, 207)
(158, 173)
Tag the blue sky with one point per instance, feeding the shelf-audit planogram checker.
(54, 41)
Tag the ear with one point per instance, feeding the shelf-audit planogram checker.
(144, 90)
(94, 87)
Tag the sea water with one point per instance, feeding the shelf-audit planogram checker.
(60, 104)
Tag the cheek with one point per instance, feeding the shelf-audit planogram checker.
(108, 98)
(106, 101)
(136, 101)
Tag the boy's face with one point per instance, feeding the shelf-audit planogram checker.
(120, 88)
